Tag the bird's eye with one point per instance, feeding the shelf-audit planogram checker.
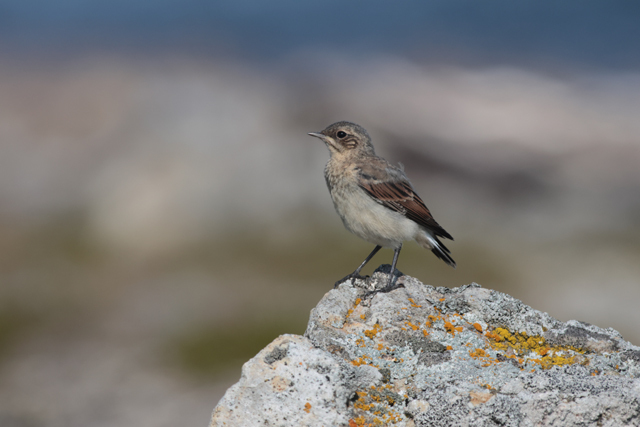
(341, 134)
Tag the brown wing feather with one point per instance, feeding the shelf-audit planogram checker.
(399, 196)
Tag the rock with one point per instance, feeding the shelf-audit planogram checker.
(425, 356)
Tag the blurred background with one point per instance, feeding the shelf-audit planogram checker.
(163, 214)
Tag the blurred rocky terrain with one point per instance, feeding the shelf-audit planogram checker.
(157, 211)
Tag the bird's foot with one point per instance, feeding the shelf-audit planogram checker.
(348, 277)
(392, 283)
(392, 286)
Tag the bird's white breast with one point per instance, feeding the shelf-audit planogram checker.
(370, 220)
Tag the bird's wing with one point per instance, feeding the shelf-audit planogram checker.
(390, 187)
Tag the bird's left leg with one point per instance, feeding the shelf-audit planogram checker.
(356, 274)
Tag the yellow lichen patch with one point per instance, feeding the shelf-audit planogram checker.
(371, 333)
(425, 333)
(449, 347)
(360, 342)
(534, 349)
(307, 407)
(556, 359)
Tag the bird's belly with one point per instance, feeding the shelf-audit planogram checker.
(371, 221)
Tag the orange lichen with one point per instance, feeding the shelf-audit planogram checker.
(484, 357)
(449, 347)
(411, 325)
(361, 361)
(478, 326)
(413, 303)
(450, 322)
(478, 352)
(358, 422)
(377, 405)
(448, 326)
(363, 406)
(355, 304)
(543, 351)
(494, 336)
(371, 333)
(307, 407)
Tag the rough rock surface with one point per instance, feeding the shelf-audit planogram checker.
(425, 356)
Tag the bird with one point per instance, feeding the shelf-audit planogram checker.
(375, 199)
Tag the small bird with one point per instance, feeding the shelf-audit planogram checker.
(375, 199)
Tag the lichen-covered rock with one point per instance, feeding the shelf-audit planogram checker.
(425, 356)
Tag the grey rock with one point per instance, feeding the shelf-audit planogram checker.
(425, 356)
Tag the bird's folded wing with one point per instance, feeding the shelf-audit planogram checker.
(397, 194)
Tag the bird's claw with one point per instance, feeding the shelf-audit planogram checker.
(392, 285)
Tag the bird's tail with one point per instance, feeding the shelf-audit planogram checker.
(431, 242)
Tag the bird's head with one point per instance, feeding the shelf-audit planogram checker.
(345, 138)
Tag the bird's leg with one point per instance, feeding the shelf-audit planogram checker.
(391, 285)
(356, 274)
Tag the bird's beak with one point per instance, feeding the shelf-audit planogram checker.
(329, 142)
(318, 135)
